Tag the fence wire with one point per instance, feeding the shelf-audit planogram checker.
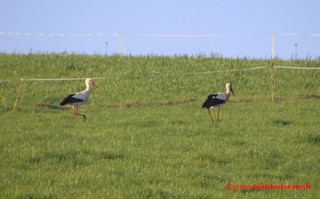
(253, 82)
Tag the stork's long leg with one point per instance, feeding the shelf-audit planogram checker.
(75, 112)
(210, 115)
(218, 114)
(84, 117)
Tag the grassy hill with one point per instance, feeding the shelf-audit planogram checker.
(148, 137)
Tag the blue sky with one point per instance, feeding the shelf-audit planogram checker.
(231, 28)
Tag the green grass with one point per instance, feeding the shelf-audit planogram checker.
(148, 137)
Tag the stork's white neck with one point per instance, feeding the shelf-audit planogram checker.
(228, 89)
(88, 86)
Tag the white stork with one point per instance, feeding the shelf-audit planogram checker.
(77, 99)
(217, 100)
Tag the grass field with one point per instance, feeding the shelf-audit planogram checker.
(147, 136)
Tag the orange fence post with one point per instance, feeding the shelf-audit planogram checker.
(272, 84)
(18, 96)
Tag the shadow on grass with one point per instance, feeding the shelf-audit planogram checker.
(313, 138)
(72, 157)
(282, 122)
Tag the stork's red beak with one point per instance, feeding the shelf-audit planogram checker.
(94, 84)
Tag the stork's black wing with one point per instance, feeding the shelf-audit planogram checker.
(209, 102)
(70, 99)
(212, 100)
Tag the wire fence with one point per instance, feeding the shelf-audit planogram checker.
(117, 34)
(187, 73)
(267, 70)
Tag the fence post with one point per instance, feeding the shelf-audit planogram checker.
(272, 83)
(18, 96)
